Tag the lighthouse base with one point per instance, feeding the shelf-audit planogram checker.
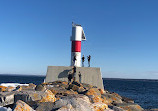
(89, 75)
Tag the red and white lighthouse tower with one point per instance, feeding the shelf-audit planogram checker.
(76, 38)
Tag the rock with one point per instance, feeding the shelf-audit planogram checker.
(127, 100)
(129, 106)
(77, 83)
(6, 98)
(2, 88)
(9, 89)
(115, 108)
(61, 91)
(95, 99)
(22, 106)
(40, 88)
(31, 85)
(45, 106)
(93, 91)
(68, 107)
(73, 87)
(116, 95)
(18, 88)
(5, 109)
(100, 106)
(41, 96)
(110, 99)
(87, 86)
(78, 102)
(81, 90)
(48, 96)
(101, 91)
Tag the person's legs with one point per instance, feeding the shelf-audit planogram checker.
(80, 79)
(74, 78)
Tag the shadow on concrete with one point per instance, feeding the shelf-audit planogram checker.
(64, 74)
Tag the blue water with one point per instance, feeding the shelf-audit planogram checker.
(143, 92)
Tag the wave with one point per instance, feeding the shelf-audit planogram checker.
(12, 85)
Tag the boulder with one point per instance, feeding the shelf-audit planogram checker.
(100, 106)
(9, 89)
(127, 100)
(18, 88)
(73, 87)
(28, 96)
(68, 107)
(115, 108)
(110, 99)
(45, 106)
(22, 106)
(101, 91)
(95, 99)
(40, 88)
(48, 96)
(5, 108)
(129, 106)
(93, 91)
(87, 86)
(31, 85)
(116, 95)
(77, 83)
(61, 91)
(42, 96)
(6, 98)
(81, 90)
(2, 88)
(78, 102)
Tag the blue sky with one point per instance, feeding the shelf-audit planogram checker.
(121, 36)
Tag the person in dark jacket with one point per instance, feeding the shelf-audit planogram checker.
(74, 60)
(70, 76)
(79, 76)
(83, 59)
(89, 58)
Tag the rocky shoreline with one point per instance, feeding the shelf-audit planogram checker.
(61, 96)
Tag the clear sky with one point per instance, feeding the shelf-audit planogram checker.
(122, 36)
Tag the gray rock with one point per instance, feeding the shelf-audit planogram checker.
(40, 88)
(45, 106)
(115, 108)
(5, 109)
(129, 106)
(6, 98)
(78, 102)
(28, 96)
(22, 106)
(68, 103)
(127, 100)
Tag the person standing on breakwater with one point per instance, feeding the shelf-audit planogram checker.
(74, 73)
(79, 76)
(89, 58)
(69, 77)
(83, 58)
(74, 60)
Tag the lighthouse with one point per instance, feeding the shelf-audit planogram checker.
(89, 74)
(76, 38)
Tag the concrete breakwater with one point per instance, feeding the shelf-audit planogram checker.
(61, 96)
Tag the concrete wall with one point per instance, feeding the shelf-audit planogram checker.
(89, 75)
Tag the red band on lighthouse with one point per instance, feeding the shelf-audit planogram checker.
(76, 46)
